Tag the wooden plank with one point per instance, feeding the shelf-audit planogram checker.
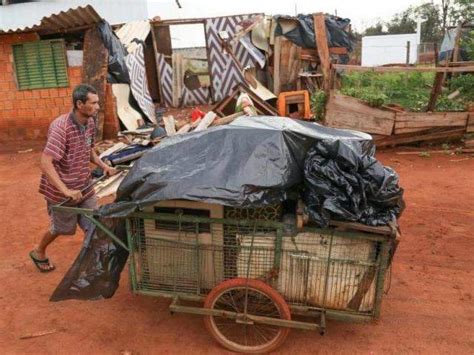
(276, 65)
(386, 230)
(338, 50)
(151, 69)
(414, 122)
(470, 123)
(170, 125)
(206, 121)
(310, 52)
(322, 47)
(348, 67)
(290, 64)
(435, 91)
(95, 71)
(418, 129)
(227, 119)
(350, 113)
(429, 135)
(178, 76)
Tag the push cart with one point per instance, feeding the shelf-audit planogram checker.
(254, 280)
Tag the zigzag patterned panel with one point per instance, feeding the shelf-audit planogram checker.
(225, 74)
(166, 80)
(188, 97)
(138, 82)
(195, 97)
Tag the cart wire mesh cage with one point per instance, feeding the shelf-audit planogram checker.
(315, 268)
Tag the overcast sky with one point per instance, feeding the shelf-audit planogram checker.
(363, 13)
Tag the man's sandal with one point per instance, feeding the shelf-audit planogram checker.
(40, 263)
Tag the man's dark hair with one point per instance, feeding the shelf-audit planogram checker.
(80, 93)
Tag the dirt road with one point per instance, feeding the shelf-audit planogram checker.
(429, 309)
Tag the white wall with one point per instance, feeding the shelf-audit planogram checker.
(17, 16)
(388, 49)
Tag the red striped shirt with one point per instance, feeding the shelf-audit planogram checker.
(69, 144)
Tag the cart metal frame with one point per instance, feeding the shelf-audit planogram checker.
(386, 237)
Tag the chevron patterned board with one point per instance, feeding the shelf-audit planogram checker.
(195, 97)
(138, 82)
(166, 79)
(189, 97)
(225, 73)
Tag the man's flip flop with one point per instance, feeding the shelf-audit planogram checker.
(41, 262)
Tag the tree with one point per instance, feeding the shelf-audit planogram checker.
(403, 22)
(461, 9)
(406, 21)
(432, 27)
(375, 30)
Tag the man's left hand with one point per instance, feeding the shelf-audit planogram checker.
(109, 171)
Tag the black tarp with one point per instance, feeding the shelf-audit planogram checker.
(303, 34)
(252, 162)
(117, 68)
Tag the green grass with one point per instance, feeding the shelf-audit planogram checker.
(410, 90)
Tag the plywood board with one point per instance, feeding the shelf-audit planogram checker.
(126, 113)
(289, 65)
(350, 113)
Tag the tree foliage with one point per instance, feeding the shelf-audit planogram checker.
(436, 16)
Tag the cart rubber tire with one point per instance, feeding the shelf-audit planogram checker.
(256, 287)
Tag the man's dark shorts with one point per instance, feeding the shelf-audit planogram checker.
(65, 223)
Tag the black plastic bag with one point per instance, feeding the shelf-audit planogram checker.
(117, 68)
(95, 274)
(346, 183)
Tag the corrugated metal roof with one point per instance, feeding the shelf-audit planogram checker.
(80, 17)
(133, 30)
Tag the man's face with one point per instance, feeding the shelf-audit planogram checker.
(91, 107)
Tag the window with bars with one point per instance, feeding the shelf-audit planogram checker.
(40, 64)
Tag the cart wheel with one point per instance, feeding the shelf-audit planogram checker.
(242, 335)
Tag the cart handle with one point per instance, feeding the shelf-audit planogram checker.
(89, 214)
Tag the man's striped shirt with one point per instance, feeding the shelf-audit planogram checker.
(69, 144)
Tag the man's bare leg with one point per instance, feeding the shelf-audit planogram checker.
(40, 251)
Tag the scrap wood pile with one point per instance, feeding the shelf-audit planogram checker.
(393, 126)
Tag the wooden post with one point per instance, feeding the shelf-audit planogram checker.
(276, 65)
(95, 72)
(436, 54)
(323, 48)
(408, 53)
(435, 91)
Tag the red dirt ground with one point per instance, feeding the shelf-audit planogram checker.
(429, 308)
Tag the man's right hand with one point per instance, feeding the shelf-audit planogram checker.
(74, 195)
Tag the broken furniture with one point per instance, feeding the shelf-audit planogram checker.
(226, 107)
(298, 99)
